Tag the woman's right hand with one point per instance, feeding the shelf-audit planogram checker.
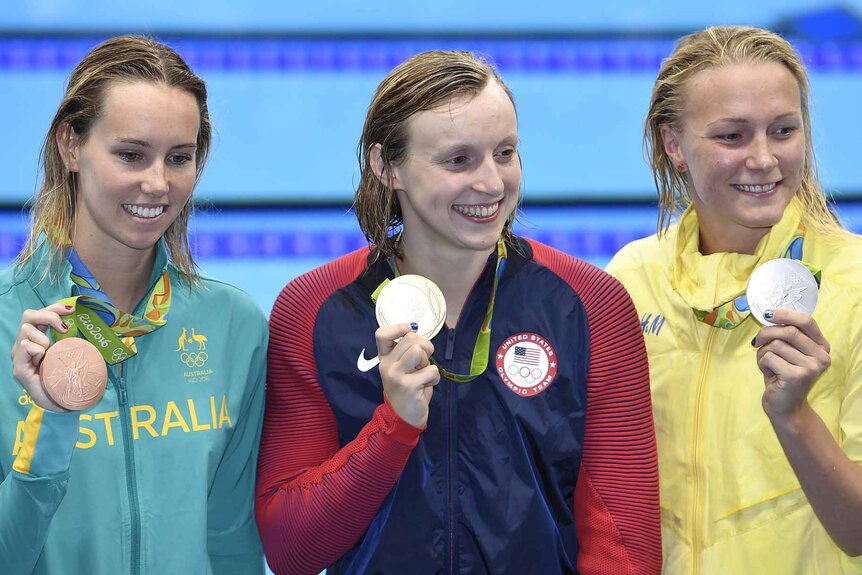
(30, 347)
(407, 374)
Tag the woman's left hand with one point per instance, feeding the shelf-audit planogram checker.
(791, 357)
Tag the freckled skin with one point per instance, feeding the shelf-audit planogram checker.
(741, 125)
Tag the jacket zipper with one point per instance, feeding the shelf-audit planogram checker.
(450, 345)
(449, 354)
(451, 390)
(131, 479)
(697, 471)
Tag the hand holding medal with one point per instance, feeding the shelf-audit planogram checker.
(430, 307)
(410, 310)
(791, 350)
(69, 375)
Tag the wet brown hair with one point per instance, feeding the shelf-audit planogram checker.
(422, 83)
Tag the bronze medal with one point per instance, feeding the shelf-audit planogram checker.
(73, 374)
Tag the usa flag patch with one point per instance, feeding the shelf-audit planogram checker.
(527, 363)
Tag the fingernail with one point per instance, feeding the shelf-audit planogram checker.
(754, 341)
(414, 326)
(65, 327)
(69, 307)
(768, 314)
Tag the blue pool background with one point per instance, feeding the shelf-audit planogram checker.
(289, 84)
(260, 250)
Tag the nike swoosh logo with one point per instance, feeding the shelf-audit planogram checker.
(363, 364)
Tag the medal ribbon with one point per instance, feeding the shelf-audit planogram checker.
(482, 348)
(86, 322)
(732, 313)
(110, 329)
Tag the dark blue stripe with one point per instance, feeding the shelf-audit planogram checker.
(286, 233)
(608, 55)
(334, 243)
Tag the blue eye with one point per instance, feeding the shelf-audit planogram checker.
(180, 159)
(785, 131)
(129, 157)
(506, 155)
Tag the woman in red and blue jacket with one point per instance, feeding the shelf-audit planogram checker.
(517, 440)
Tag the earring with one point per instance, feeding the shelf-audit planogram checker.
(680, 167)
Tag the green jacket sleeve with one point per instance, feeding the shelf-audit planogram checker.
(233, 542)
(32, 492)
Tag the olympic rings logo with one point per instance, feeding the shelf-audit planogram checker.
(194, 359)
(119, 355)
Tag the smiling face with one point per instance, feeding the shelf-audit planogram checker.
(742, 145)
(460, 180)
(135, 169)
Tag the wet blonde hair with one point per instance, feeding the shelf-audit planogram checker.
(120, 59)
(712, 48)
(423, 82)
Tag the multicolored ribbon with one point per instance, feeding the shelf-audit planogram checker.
(482, 348)
(732, 313)
(110, 329)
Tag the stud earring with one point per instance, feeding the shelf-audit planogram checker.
(680, 167)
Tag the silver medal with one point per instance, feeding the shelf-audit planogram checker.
(781, 283)
(412, 298)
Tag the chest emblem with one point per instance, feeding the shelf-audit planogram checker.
(527, 363)
(191, 349)
(187, 341)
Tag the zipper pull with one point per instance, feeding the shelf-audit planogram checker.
(450, 345)
(121, 386)
(121, 390)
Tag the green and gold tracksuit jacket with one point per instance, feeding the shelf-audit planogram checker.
(730, 502)
(158, 477)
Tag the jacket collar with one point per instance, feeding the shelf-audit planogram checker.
(707, 281)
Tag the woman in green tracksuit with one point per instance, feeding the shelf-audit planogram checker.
(158, 476)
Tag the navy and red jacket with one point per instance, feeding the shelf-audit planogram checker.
(544, 464)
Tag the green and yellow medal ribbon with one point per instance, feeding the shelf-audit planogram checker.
(481, 350)
(87, 323)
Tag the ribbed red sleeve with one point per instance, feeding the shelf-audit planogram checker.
(616, 499)
(314, 501)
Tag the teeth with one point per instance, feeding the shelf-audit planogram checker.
(478, 211)
(143, 212)
(755, 189)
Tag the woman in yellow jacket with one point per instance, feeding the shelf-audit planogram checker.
(759, 428)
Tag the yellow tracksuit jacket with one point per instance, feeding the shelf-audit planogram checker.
(730, 503)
